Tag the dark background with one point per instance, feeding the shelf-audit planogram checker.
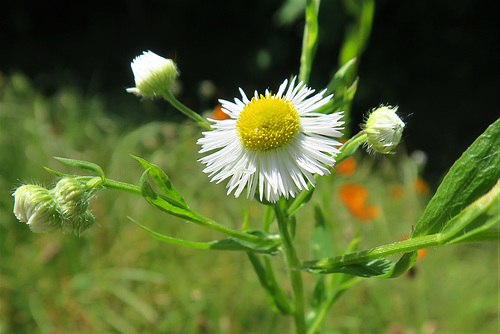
(437, 60)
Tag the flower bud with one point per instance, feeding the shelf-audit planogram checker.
(72, 197)
(384, 129)
(36, 206)
(153, 74)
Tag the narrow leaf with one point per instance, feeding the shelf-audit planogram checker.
(163, 182)
(83, 165)
(338, 78)
(378, 268)
(228, 244)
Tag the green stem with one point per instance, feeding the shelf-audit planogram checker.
(351, 146)
(186, 111)
(117, 185)
(293, 265)
(309, 41)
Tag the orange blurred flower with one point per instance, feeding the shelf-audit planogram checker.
(346, 167)
(218, 114)
(397, 191)
(421, 186)
(354, 197)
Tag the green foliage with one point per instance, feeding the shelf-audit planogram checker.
(474, 173)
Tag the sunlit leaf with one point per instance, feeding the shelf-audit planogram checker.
(163, 182)
(474, 173)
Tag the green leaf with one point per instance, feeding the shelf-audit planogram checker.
(474, 173)
(163, 182)
(83, 165)
(338, 78)
(379, 268)
(478, 217)
(302, 199)
(228, 244)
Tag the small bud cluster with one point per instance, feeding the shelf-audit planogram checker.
(153, 74)
(65, 207)
(384, 129)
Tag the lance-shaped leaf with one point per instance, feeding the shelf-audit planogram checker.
(379, 268)
(474, 173)
(83, 165)
(163, 182)
(478, 217)
(228, 244)
(338, 78)
(251, 239)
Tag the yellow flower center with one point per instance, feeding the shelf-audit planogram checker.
(266, 123)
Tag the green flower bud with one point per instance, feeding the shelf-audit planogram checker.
(153, 74)
(37, 207)
(72, 197)
(384, 129)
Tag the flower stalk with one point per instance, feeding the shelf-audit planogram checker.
(293, 265)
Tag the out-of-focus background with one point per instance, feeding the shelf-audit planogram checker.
(64, 67)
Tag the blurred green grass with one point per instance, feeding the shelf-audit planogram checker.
(118, 279)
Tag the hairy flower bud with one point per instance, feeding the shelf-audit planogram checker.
(36, 206)
(72, 197)
(65, 207)
(153, 74)
(384, 129)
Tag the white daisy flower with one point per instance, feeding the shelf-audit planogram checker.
(273, 143)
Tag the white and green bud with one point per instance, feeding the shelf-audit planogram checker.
(65, 207)
(72, 197)
(37, 207)
(153, 74)
(384, 129)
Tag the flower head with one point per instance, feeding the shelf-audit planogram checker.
(384, 129)
(36, 206)
(153, 74)
(273, 143)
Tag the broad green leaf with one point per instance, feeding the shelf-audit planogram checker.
(478, 217)
(83, 165)
(474, 173)
(163, 182)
